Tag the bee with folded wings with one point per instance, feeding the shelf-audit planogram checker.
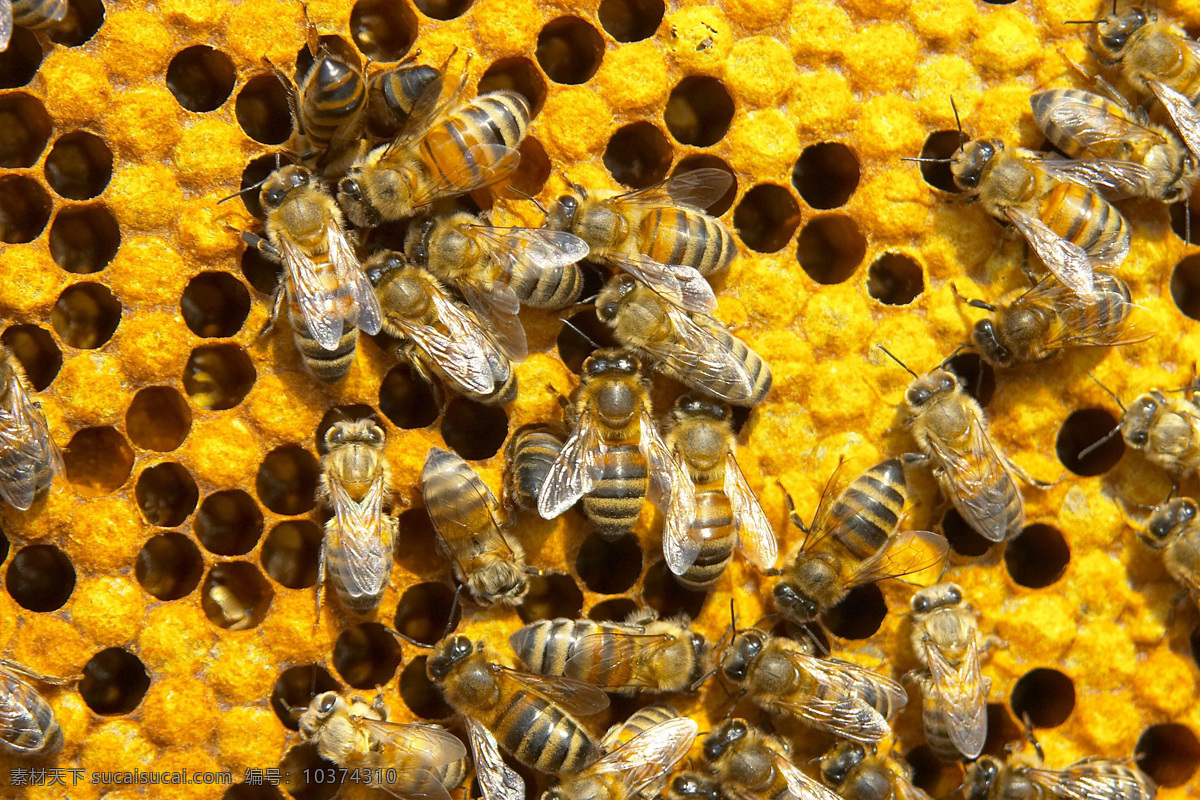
(856, 774)
(28, 726)
(630, 768)
(752, 765)
(29, 457)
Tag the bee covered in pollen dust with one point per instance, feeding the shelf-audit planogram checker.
(29, 457)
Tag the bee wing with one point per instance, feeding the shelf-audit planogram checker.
(680, 284)
(414, 744)
(575, 471)
(425, 109)
(352, 280)
(755, 534)
(1185, 115)
(463, 349)
(1115, 179)
(960, 695)
(445, 515)
(6, 23)
(698, 188)
(1093, 779)
(1067, 260)
(497, 306)
(800, 786)
(1092, 125)
(845, 712)
(324, 322)
(572, 696)
(602, 652)
(481, 166)
(982, 483)
(497, 780)
(1092, 330)
(907, 553)
(542, 248)
(649, 755)
(28, 449)
(697, 353)
(849, 717)
(362, 545)
(672, 491)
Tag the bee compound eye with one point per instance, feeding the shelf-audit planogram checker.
(920, 604)
(327, 703)
(349, 188)
(954, 595)
(918, 397)
(271, 198)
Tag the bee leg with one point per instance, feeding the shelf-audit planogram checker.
(980, 304)
(320, 584)
(413, 355)
(273, 315)
(377, 703)
(793, 515)
(1032, 481)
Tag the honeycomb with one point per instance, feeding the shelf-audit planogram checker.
(191, 444)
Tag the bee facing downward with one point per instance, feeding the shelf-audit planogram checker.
(29, 457)
(752, 765)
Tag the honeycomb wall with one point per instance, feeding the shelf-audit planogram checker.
(173, 568)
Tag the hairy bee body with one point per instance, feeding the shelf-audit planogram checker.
(29, 457)
(529, 455)
(327, 366)
(38, 14)
(638, 723)
(1174, 530)
(752, 765)
(856, 774)
(332, 95)
(988, 778)
(1148, 52)
(1166, 430)
(29, 726)
(392, 93)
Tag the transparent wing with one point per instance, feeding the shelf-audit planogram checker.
(455, 478)
(575, 471)
(461, 348)
(572, 696)
(353, 281)
(541, 248)
(1090, 324)
(672, 491)
(848, 717)
(1116, 180)
(497, 306)
(317, 301)
(755, 534)
(1185, 115)
(800, 786)
(698, 188)
(907, 554)
(982, 486)
(361, 545)
(649, 755)
(679, 284)
(426, 109)
(698, 354)
(6, 23)
(1068, 261)
(481, 166)
(28, 447)
(1094, 779)
(1092, 124)
(960, 694)
(497, 780)
(603, 651)
(413, 744)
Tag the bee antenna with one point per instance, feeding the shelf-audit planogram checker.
(732, 617)
(696, 684)
(451, 623)
(898, 361)
(815, 642)
(570, 325)
(241, 192)
(528, 197)
(962, 137)
(1087, 451)
(1109, 392)
(928, 160)
(408, 639)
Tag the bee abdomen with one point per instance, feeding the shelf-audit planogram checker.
(614, 505)
(937, 730)
(542, 736)
(545, 646)
(453, 774)
(551, 288)
(501, 393)
(496, 118)
(530, 454)
(1112, 304)
(757, 369)
(1083, 217)
(329, 366)
(642, 720)
(881, 701)
(714, 527)
(678, 236)
(30, 725)
(338, 93)
(869, 510)
(37, 14)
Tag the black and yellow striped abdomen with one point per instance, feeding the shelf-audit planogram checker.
(685, 236)
(541, 735)
(756, 368)
(642, 720)
(937, 723)
(529, 454)
(496, 118)
(1084, 218)
(37, 14)
(868, 512)
(30, 727)
(555, 647)
(713, 526)
(547, 288)
(329, 366)
(333, 94)
(614, 504)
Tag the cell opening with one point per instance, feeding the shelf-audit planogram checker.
(218, 376)
(826, 175)
(631, 20)
(84, 239)
(166, 494)
(169, 566)
(295, 688)
(228, 523)
(532, 173)
(551, 595)
(830, 248)
(1037, 556)
(201, 78)
(253, 175)
(964, 540)
(609, 566)
(473, 430)
(666, 595)
(287, 480)
(215, 305)
(25, 128)
(520, 75)
(37, 352)
(698, 111)
(24, 209)
(930, 774)
(1185, 223)
(346, 413)
(407, 399)
(617, 609)
(1079, 431)
(40, 578)
(977, 377)
(83, 19)
(1046, 696)
(638, 155)
(419, 693)
(767, 218)
(259, 272)
(709, 161)
(158, 419)
(569, 50)
(1168, 753)
(302, 763)
(384, 31)
(859, 615)
(423, 613)
(86, 315)
(1185, 285)
(20, 62)
(939, 147)
(895, 279)
(291, 553)
(419, 555)
(235, 595)
(442, 9)
(1002, 731)
(575, 341)
(79, 166)
(114, 682)
(263, 111)
(366, 655)
(98, 461)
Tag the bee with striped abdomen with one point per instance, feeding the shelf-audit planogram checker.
(638, 723)
(32, 14)
(529, 455)
(28, 726)
(392, 94)
(856, 774)
(989, 778)
(632, 768)
(752, 765)
(329, 103)
(29, 457)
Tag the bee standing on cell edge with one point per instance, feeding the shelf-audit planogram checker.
(752, 765)
(29, 457)
(487, 560)
(31, 14)
(356, 480)
(1174, 530)
(856, 774)
(695, 350)
(530, 453)
(632, 768)
(853, 541)
(1165, 429)
(28, 726)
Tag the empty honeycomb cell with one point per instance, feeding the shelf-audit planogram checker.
(295, 689)
(1037, 556)
(158, 419)
(1168, 753)
(930, 774)
(291, 553)
(443, 9)
(617, 609)
(81, 22)
(20, 62)
(830, 248)
(473, 430)
(517, 74)
(1045, 696)
(84, 239)
(201, 78)
(936, 152)
(86, 315)
(24, 130)
(98, 460)
(569, 50)
(1184, 223)
(252, 178)
(977, 377)
(263, 111)
(34, 347)
(964, 540)
(419, 555)
(859, 615)
(609, 566)
(423, 613)
(366, 655)
(166, 494)
(235, 595)
(79, 166)
(259, 272)
(407, 399)
(767, 218)
(40, 578)
(532, 173)
(169, 566)
(419, 694)
(1002, 731)
(307, 776)
(631, 20)
(579, 337)
(215, 304)
(287, 480)
(24, 209)
(638, 155)
(709, 161)
(114, 682)
(1081, 430)
(551, 595)
(698, 111)
(229, 523)
(383, 31)
(895, 279)
(663, 593)
(1185, 286)
(218, 376)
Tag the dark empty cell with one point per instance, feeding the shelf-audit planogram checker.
(215, 304)
(4, 546)
(24, 129)
(830, 248)
(294, 690)
(366, 655)
(963, 539)
(346, 413)
(531, 174)
(1082, 429)
(419, 694)
(307, 776)
(406, 399)
(698, 111)
(859, 615)
(442, 9)
(1037, 557)
(287, 480)
(1002, 731)
(169, 566)
(1185, 286)
(259, 272)
(609, 566)
(20, 62)
(938, 148)
(84, 239)
(291, 553)
(551, 595)
(86, 315)
(246, 791)
(1046, 695)
(709, 161)
(79, 166)
(419, 554)
(638, 155)
(201, 78)
(616, 610)
(158, 419)
(83, 19)
(423, 613)
(631, 20)
(473, 430)
(826, 175)
(663, 592)
(229, 523)
(252, 177)
(976, 376)
(383, 30)
(766, 218)
(1168, 753)
(98, 460)
(578, 340)
(895, 279)
(40, 578)
(37, 352)
(114, 682)
(1193, 641)
(235, 595)
(930, 774)
(262, 110)
(519, 75)
(24, 209)
(166, 494)
(569, 50)
(1184, 223)
(218, 376)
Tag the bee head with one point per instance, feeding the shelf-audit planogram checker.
(416, 243)
(1167, 519)
(608, 303)
(503, 583)
(699, 657)
(980, 776)
(611, 361)
(1113, 30)
(317, 712)
(280, 183)
(353, 201)
(844, 757)
(723, 737)
(943, 595)
(382, 263)
(797, 606)
(924, 388)
(453, 651)
(742, 651)
(699, 405)
(1140, 417)
(361, 430)
(968, 163)
(694, 786)
(562, 214)
(989, 344)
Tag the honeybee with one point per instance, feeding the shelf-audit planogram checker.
(328, 294)
(225, 608)
(28, 726)
(356, 481)
(633, 767)
(643, 654)
(497, 269)
(780, 675)
(944, 634)
(614, 454)
(486, 559)
(1038, 323)
(529, 454)
(752, 765)
(393, 93)
(413, 760)
(856, 774)
(1165, 429)
(29, 457)
(853, 541)
(989, 778)
(638, 723)
(1172, 528)
(31, 14)
(329, 102)
(441, 337)
(695, 349)
(700, 435)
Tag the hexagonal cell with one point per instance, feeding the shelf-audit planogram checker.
(442, 9)
(609, 566)
(295, 689)
(662, 592)
(569, 50)
(79, 166)
(302, 768)
(767, 218)
(1168, 753)
(366, 655)
(580, 336)
(423, 613)
(158, 419)
(84, 239)
(201, 78)
(98, 461)
(617, 609)
(895, 279)
(631, 20)
(517, 74)
(709, 161)
(37, 352)
(215, 304)
(1045, 696)
(86, 315)
(406, 399)
(551, 595)
(419, 694)
(20, 62)
(638, 155)
(229, 523)
(1185, 286)
(24, 209)
(253, 175)
(1037, 556)
(169, 566)
(383, 31)
(964, 540)
(235, 595)
(419, 555)
(292, 552)
(262, 110)
(40, 578)
(114, 682)
(830, 248)
(937, 149)
(287, 480)
(1083, 429)
(859, 615)
(473, 430)
(24, 130)
(166, 494)
(826, 175)
(977, 377)
(218, 376)
(698, 111)
(83, 19)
